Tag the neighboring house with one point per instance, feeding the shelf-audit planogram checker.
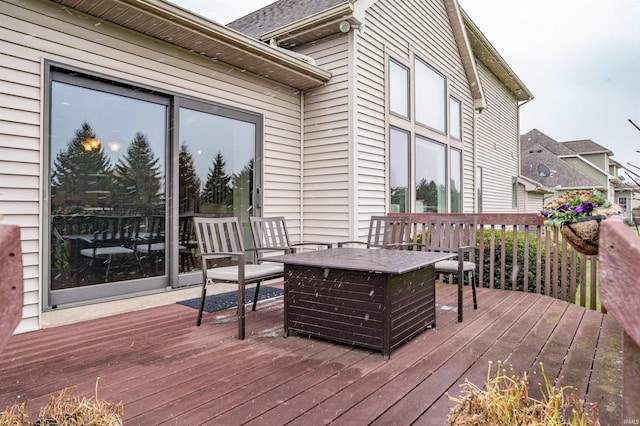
(573, 165)
(326, 113)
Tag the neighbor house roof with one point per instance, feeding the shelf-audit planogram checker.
(174, 25)
(586, 146)
(541, 161)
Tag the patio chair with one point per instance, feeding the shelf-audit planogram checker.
(455, 234)
(386, 232)
(219, 239)
(115, 238)
(152, 245)
(187, 243)
(271, 234)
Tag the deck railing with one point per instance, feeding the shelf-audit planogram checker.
(620, 293)
(552, 267)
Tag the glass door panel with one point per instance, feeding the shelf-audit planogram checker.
(216, 168)
(108, 187)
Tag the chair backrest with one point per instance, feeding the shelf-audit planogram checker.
(186, 230)
(388, 231)
(155, 228)
(448, 233)
(216, 235)
(118, 230)
(269, 233)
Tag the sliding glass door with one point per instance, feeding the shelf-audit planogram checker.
(217, 168)
(128, 170)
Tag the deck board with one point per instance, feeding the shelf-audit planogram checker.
(166, 370)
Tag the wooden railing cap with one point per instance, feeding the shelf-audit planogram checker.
(619, 272)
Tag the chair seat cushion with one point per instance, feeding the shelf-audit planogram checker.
(147, 248)
(451, 266)
(251, 272)
(105, 251)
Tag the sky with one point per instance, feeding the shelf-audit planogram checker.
(579, 58)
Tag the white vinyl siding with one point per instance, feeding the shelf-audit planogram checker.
(32, 32)
(326, 145)
(420, 29)
(498, 144)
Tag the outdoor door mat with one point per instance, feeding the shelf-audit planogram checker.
(222, 301)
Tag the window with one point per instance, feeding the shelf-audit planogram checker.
(455, 181)
(419, 158)
(455, 122)
(398, 89)
(431, 175)
(430, 97)
(622, 201)
(399, 171)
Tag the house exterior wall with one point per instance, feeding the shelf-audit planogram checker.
(535, 202)
(599, 159)
(498, 149)
(347, 122)
(326, 146)
(35, 31)
(599, 175)
(406, 30)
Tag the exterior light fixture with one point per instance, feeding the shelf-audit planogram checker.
(90, 144)
(345, 26)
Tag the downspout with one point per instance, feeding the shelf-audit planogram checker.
(476, 202)
(352, 172)
(301, 166)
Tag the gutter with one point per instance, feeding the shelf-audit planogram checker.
(335, 14)
(205, 27)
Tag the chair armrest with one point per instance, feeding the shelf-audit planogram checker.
(312, 243)
(341, 243)
(242, 257)
(466, 249)
(405, 246)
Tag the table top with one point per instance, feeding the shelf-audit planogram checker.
(363, 259)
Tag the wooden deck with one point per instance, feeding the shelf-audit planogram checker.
(166, 370)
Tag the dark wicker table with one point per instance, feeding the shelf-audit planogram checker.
(372, 298)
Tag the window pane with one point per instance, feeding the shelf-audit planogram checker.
(456, 181)
(217, 167)
(398, 89)
(454, 118)
(399, 171)
(107, 186)
(430, 97)
(430, 177)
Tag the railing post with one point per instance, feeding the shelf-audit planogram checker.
(620, 293)
(11, 293)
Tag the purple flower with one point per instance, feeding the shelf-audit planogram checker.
(544, 213)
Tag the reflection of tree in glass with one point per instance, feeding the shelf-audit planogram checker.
(242, 184)
(399, 197)
(455, 198)
(188, 183)
(217, 188)
(80, 178)
(428, 193)
(139, 180)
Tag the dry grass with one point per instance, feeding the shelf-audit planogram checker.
(506, 401)
(64, 409)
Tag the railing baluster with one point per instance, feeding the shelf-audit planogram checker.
(555, 273)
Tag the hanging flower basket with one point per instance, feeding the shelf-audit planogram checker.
(583, 235)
